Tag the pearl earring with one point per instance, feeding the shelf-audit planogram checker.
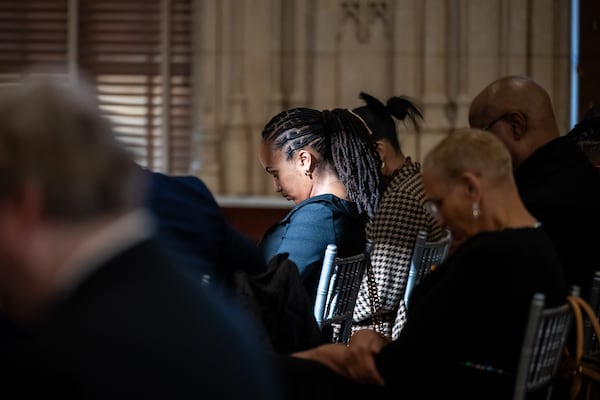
(476, 210)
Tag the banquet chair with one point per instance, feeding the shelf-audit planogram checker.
(589, 337)
(426, 255)
(545, 335)
(337, 292)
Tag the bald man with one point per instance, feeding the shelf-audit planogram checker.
(556, 181)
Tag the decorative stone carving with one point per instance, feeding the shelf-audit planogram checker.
(364, 12)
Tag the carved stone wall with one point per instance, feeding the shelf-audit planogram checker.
(254, 58)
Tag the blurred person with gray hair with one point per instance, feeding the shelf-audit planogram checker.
(93, 308)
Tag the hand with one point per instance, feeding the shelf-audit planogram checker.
(363, 346)
(368, 340)
(353, 362)
(331, 355)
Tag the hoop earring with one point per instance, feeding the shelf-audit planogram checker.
(476, 211)
(308, 173)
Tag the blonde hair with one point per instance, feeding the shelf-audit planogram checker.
(470, 150)
(53, 134)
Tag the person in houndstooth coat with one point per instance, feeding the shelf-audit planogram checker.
(399, 216)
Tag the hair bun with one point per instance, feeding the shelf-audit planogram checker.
(375, 105)
(401, 107)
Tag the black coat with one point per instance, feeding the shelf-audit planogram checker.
(561, 188)
(279, 301)
(138, 328)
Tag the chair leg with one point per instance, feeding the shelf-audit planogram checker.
(345, 330)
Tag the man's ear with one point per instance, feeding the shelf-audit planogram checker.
(32, 202)
(518, 124)
(27, 204)
(21, 216)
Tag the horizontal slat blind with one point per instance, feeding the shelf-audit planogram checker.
(119, 50)
(32, 33)
(181, 86)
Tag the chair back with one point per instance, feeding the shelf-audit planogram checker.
(337, 291)
(425, 256)
(590, 343)
(545, 335)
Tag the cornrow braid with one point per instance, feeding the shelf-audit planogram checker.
(296, 129)
(341, 140)
(356, 160)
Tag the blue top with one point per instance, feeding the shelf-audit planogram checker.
(308, 228)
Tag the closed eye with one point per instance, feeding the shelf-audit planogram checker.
(272, 172)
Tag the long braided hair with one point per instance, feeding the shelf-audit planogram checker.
(342, 142)
(378, 116)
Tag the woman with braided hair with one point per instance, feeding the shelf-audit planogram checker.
(324, 163)
(399, 217)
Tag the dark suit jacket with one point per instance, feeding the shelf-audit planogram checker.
(192, 226)
(137, 328)
(561, 188)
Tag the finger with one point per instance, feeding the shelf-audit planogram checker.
(366, 373)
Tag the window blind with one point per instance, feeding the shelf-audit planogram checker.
(135, 52)
(32, 33)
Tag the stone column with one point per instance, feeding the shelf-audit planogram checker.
(363, 51)
(205, 77)
(254, 58)
(407, 64)
(297, 93)
(236, 149)
(434, 76)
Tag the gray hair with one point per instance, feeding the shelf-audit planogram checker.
(472, 150)
(53, 134)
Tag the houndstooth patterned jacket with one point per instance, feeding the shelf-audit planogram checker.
(393, 231)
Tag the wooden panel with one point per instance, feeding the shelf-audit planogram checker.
(253, 222)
